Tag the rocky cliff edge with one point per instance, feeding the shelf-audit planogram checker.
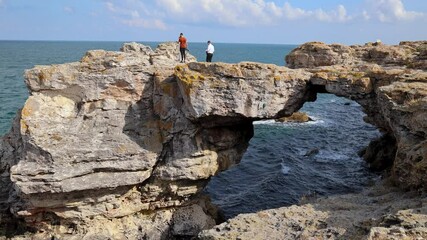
(120, 144)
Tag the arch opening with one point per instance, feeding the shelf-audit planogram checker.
(286, 162)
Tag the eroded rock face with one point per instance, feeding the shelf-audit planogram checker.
(378, 213)
(97, 140)
(390, 83)
(315, 54)
(241, 91)
(392, 88)
(128, 139)
(298, 117)
(283, 223)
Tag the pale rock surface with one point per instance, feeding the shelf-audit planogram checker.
(393, 95)
(390, 83)
(298, 117)
(315, 54)
(294, 222)
(89, 136)
(243, 90)
(121, 144)
(379, 213)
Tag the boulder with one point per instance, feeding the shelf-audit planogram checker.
(299, 117)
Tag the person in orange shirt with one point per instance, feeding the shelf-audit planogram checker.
(182, 46)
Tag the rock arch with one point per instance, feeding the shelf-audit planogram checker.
(132, 135)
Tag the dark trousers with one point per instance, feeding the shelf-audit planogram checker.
(182, 51)
(209, 57)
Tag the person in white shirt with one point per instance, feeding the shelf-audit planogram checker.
(209, 52)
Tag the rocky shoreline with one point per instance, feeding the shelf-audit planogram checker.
(380, 212)
(120, 144)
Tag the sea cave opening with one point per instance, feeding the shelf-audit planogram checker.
(288, 161)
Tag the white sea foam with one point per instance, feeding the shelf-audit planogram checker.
(316, 121)
(332, 156)
(285, 169)
(266, 122)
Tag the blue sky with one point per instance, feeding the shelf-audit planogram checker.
(239, 21)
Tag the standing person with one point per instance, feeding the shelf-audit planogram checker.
(209, 52)
(182, 46)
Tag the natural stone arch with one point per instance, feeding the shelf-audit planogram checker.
(242, 85)
(197, 121)
(287, 162)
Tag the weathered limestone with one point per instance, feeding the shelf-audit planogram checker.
(387, 82)
(284, 223)
(315, 54)
(104, 134)
(391, 87)
(121, 144)
(378, 213)
(244, 90)
(298, 117)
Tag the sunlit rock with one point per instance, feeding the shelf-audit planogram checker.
(121, 144)
(298, 117)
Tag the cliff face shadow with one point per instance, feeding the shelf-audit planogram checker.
(10, 143)
(142, 125)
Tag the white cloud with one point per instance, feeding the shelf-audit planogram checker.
(342, 14)
(134, 14)
(129, 14)
(175, 6)
(161, 13)
(294, 13)
(139, 22)
(67, 9)
(390, 11)
(245, 12)
(365, 15)
(110, 6)
(337, 15)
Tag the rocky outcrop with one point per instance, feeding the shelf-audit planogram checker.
(390, 83)
(97, 140)
(121, 144)
(390, 88)
(377, 213)
(380, 153)
(315, 54)
(298, 117)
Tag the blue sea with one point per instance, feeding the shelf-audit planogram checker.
(275, 170)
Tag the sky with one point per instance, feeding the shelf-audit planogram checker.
(228, 21)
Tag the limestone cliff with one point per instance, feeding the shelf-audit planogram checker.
(105, 138)
(390, 82)
(120, 144)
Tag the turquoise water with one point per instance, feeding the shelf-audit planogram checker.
(274, 171)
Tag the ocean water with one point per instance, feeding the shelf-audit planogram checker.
(278, 170)
(275, 170)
